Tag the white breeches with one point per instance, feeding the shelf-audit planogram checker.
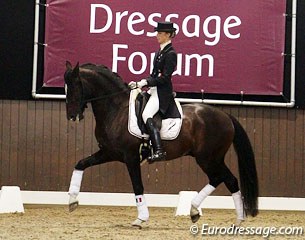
(152, 106)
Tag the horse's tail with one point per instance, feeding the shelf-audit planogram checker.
(246, 168)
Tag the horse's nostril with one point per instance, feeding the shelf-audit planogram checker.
(71, 117)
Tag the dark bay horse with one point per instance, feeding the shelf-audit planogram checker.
(206, 134)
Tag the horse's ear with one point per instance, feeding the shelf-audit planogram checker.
(68, 65)
(76, 70)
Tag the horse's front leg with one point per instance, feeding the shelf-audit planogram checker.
(134, 170)
(77, 175)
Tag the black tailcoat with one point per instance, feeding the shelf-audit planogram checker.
(165, 63)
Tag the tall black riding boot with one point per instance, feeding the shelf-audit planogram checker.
(155, 138)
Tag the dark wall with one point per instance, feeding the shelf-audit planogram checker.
(300, 55)
(16, 55)
(16, 43)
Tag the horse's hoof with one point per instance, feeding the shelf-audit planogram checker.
(238, 222)
(194, 213)
(73, 204)
(195, 218)
(137, 223)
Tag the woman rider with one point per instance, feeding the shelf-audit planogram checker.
(160, 86)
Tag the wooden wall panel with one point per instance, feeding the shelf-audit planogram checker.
(5, 143)
(274, 150)
(299, 151)
(13, 143)
(54, 148)
(22, 144)
(64, 169)
(39, 149)
(29, 181)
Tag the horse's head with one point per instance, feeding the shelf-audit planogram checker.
(74, 93)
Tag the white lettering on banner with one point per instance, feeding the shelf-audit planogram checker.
(192, 22)
(152, 22)
(132, 21)
(192, 26)
(117, 57)
(185, 22)
(199, 59)
(93, 18)
(216, 34)
(119, 17)
(179, 65)
(228, 25)
(144, 62)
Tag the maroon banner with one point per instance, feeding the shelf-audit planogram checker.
(223, 46)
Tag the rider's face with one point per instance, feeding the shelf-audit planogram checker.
(163, 37)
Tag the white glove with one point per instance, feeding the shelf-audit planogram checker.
(142, 83)
(132, 85)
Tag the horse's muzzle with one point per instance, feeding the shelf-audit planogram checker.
(77, 117)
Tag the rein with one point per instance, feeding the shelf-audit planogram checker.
(104, 97)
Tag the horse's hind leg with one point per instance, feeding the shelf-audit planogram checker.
(77, 175)
(232, 185)
(218, 173)
(215, 172)
(196, 202)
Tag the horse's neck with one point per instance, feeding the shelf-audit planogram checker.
(106, 109)
(109, 99)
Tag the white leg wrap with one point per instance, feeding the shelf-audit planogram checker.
(239, 206)
(206, 191)
(75, 183)
(143, 213)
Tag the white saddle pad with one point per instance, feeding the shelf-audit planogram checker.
(170, 127)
